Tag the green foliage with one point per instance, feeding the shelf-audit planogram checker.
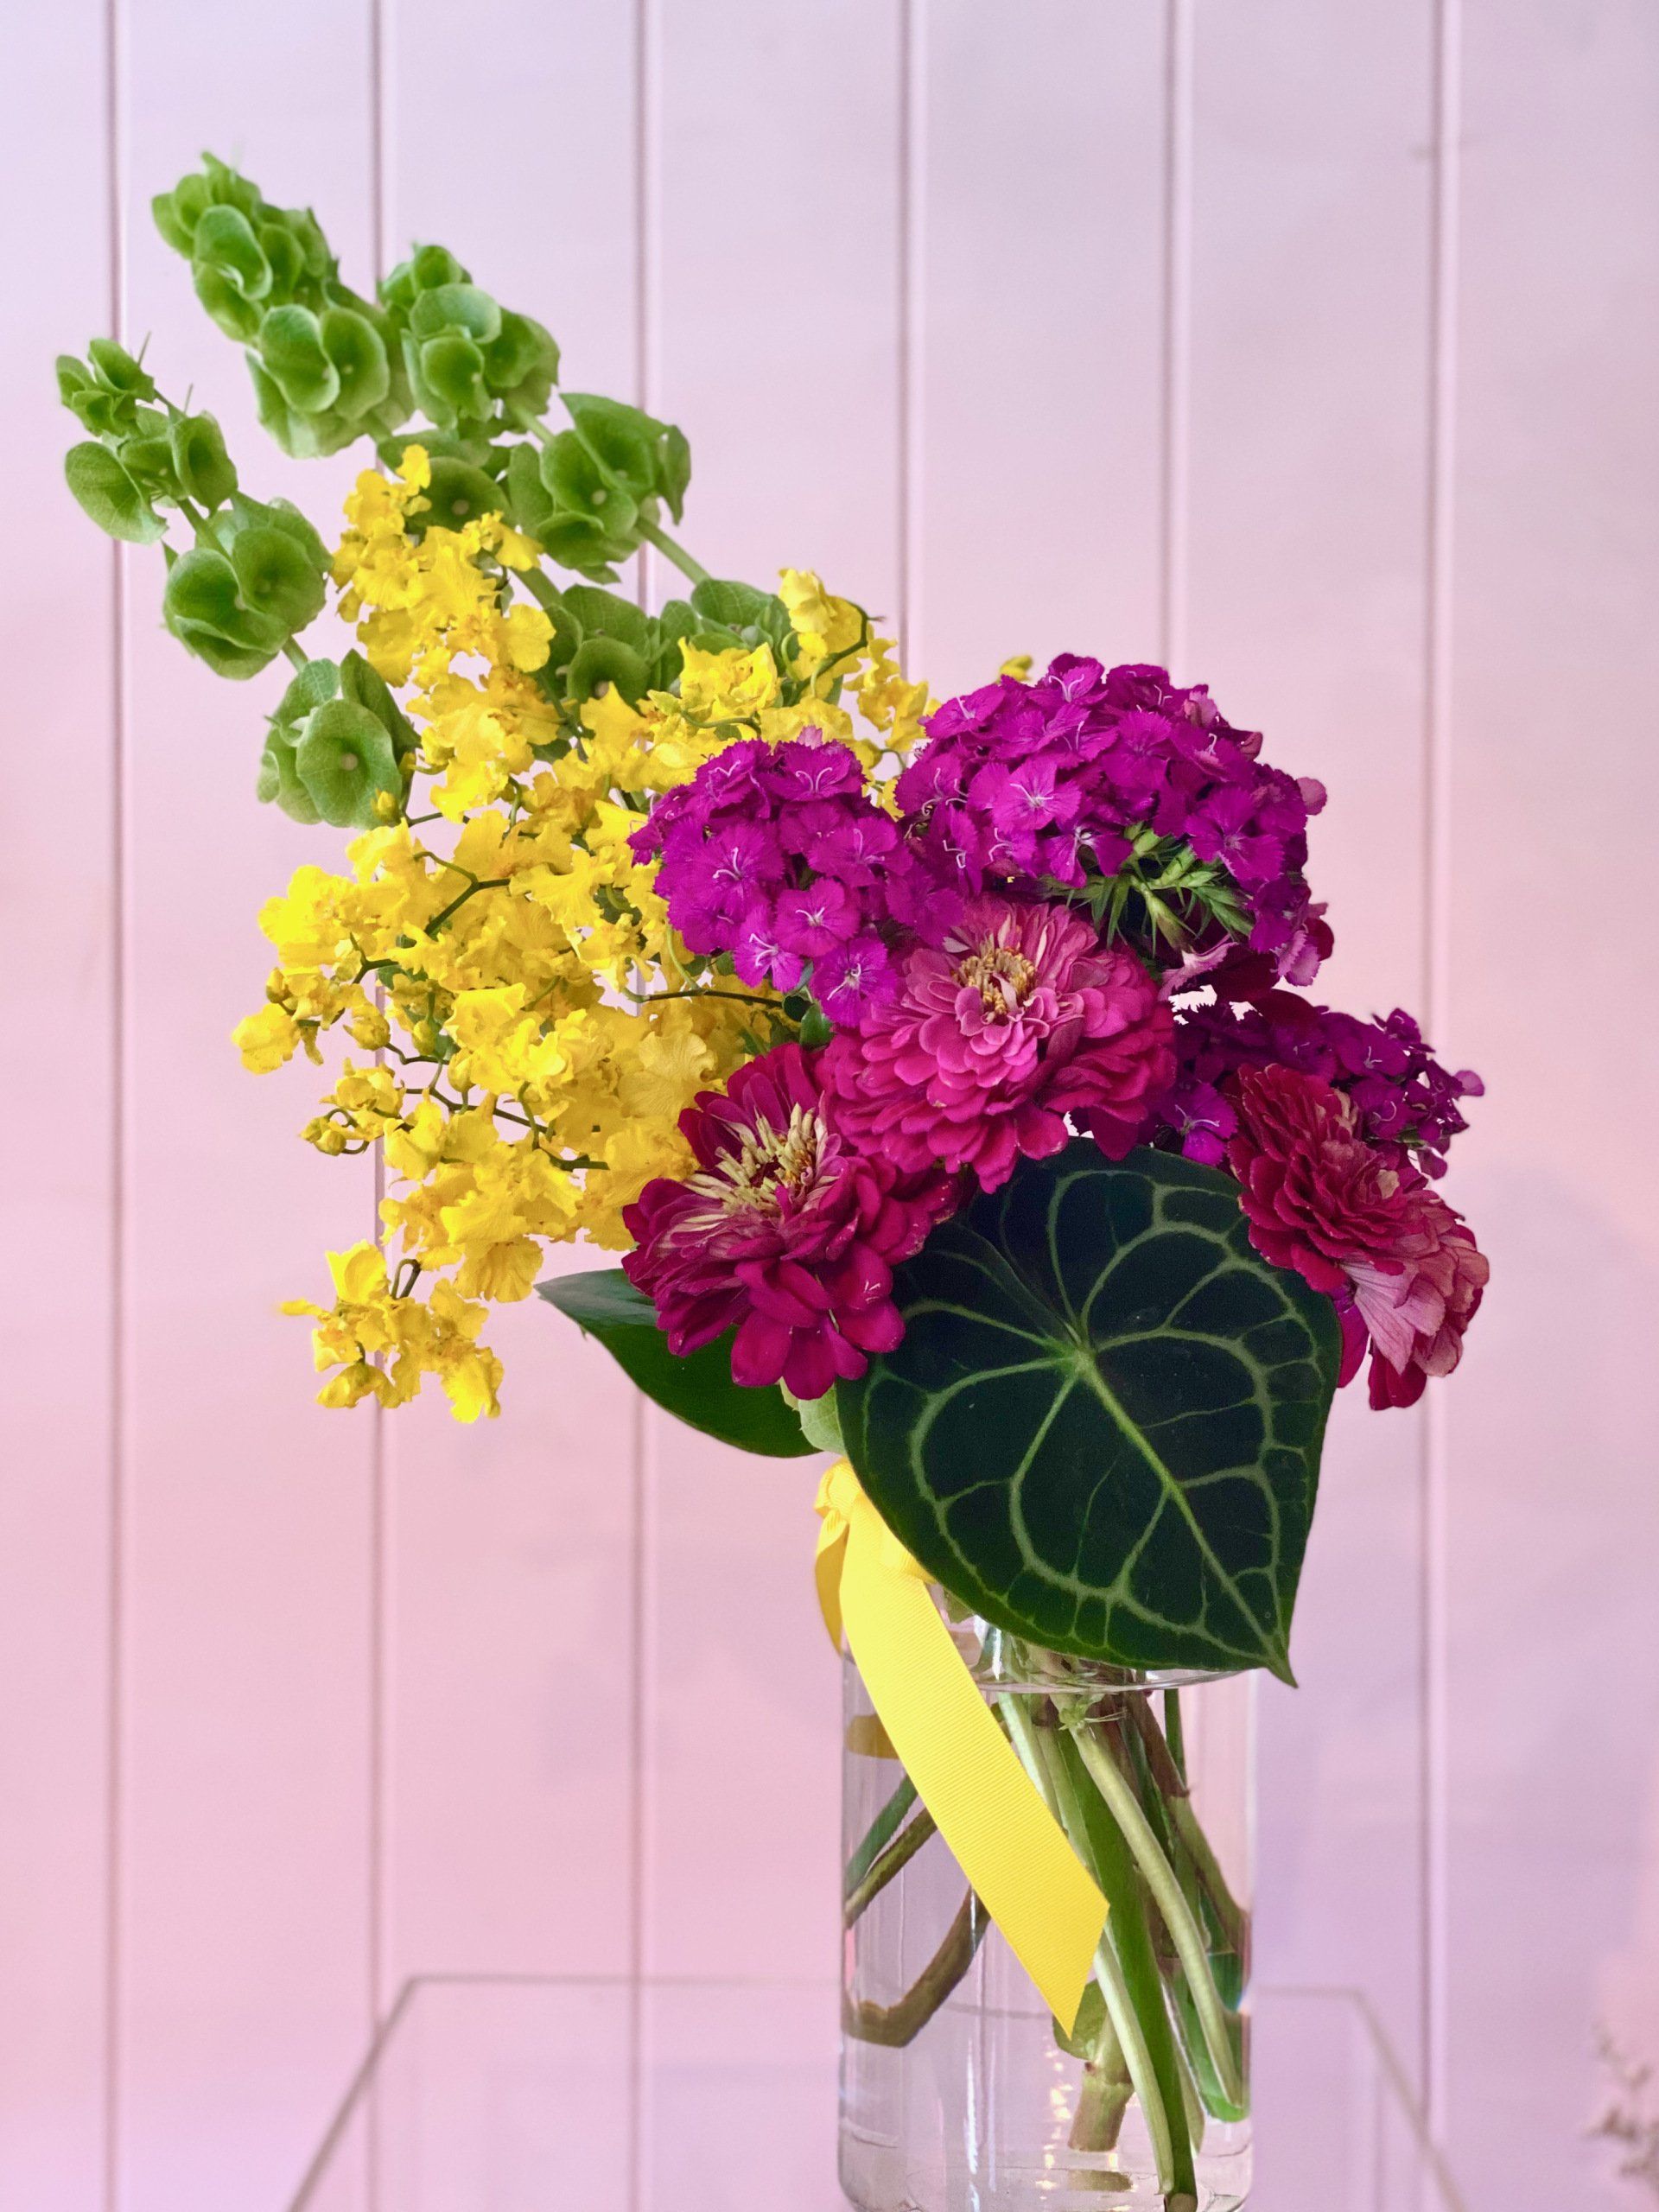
(1163, 891)
(1103, 1429)
(326, 364)
(337, 741)
(699, 1390)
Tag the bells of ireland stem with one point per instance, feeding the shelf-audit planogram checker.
(142, 451)
(336, 748)
(326, 365)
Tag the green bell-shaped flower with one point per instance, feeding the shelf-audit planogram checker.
(345, 761)
(111, 496)
(321, 785)
(202, 607)
(201, 467)
(280, 562)
(470, 362)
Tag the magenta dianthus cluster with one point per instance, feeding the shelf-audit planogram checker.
(1082, 921)
(1051, 779)
(776, 855)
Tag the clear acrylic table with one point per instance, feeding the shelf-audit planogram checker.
(493, 2093)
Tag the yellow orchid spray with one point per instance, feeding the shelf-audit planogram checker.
(529, 1080)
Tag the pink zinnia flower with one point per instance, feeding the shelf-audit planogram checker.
(785, 1232)
(1022, 1018)
(1402, 1267)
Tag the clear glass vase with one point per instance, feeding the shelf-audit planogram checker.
(958, 2092)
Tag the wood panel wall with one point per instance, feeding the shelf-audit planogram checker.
(1314, 348)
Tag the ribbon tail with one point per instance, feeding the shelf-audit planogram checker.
(1014, 1851)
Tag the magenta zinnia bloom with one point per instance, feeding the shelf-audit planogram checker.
(783, 1232)
(1022, 1018)
(1390, 1250)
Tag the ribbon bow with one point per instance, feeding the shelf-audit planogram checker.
(1013, 1850)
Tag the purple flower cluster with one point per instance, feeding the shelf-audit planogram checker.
(1406, 1103)
(1025, 781)
(776, 855)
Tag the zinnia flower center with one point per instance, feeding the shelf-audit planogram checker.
(768, 1160)
(1002, 977)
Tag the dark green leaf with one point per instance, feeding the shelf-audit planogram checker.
(1103, 1428)
(698, 1389)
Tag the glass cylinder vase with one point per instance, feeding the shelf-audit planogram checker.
(959, 2091)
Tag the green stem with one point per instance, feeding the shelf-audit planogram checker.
(1160, 1878)
(543, 588)
(479, 883)
(1155, 2085)
(898, 2025)
(671, 551)
(1134, 1997)
(1168, 1764)
(891, 1862)
(1174, 1734)
(882, 1827)
(1229, 1915)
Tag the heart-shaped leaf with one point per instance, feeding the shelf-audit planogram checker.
(697, 1390)
(1103, 1428)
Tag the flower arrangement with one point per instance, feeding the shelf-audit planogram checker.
(946, 1075)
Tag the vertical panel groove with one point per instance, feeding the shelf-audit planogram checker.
(1176, 306)
(114, 1761)
(379, 1564)
(644, 188)
(1437, 953)
(908, 365)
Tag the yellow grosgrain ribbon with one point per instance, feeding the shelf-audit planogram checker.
(1006, 1840)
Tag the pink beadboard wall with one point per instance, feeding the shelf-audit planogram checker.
(1315, 347)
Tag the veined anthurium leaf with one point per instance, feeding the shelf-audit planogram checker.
(1103, 1428)
(697, 1390)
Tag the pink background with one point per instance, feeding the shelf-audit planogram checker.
(1315, 347)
